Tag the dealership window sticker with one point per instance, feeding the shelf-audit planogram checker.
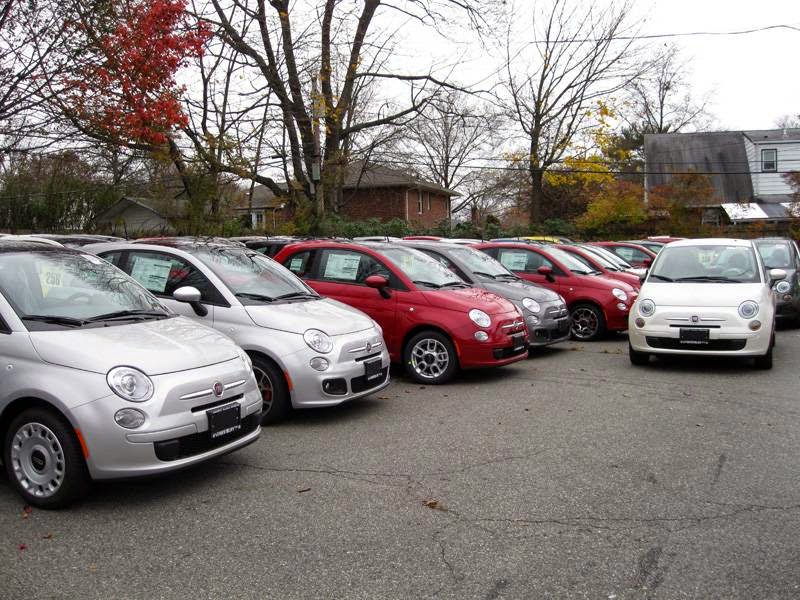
(342, 266)
(152, 273)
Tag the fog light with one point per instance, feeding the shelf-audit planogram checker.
(532, 319)
(481, 336)
(787, 298)
(622, 307)
(755, 325)
(319, 364)
(129, 418)
(639, 322)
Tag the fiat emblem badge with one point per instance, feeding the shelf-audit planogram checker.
(218, 389)
(695, 318)
(369, 347)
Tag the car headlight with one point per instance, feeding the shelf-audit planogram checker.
(318, 340)
(531, 304)
(748, 309)
(245, 359)
(647, 308)
(480, 318)
(783, 287)
(130, 384)
(619, 294)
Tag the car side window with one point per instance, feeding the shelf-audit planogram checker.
(115, 258)
(522, 260)
(162, 274)
(300, 264)
(348, 266)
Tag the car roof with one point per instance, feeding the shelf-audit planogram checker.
(29, 245)
(711, 242)
(188, 242)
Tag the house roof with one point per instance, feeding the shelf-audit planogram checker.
(364, 175)
(123, 204)
(773, 135)
(263, 198)
(750, 211)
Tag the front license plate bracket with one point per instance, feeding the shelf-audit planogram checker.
(692, 335)
(223, 420)
(372, 369)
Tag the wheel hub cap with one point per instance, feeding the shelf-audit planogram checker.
(265, 387)
(429, 358)
(37, 460)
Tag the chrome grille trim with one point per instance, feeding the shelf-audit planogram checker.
(373, 345)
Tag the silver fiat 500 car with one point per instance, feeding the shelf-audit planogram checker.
(101, 381)
(307, 351)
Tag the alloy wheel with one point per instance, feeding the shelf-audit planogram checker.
(429, 358)
(584, 323)
(265, 387)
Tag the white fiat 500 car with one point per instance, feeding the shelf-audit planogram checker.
(706, 297)
(307, 351)
(101, 381)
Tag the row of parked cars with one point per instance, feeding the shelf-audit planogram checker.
(136, 358)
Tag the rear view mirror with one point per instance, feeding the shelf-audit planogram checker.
(191, 296)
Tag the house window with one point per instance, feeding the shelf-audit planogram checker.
(769, 160)
(428, 194)
(420, 203)
(259, 219)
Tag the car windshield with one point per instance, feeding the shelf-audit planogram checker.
(252, 277)
(570, 261)
(600, 259)
(706, 264)
(421, 268)
(776, 255)
(480, 263)
(621, 263)
(57, 289)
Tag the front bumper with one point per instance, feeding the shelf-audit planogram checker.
(175, 432)
(553, 325)
(507, 343)
(346, 378)
(728, 333)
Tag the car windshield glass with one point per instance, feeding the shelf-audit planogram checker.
(479, 262)
(57, 289)
(602, 260)
(570, 261)
(707, 264)
(621, 263)
(776, 255)
(421, 268)
(252, 277)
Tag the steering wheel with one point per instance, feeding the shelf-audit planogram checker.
(733, 272)
(79, 295)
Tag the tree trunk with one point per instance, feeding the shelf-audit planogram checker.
(537, 197)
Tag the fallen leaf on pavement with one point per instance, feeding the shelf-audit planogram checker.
(433, 504)
(47, 536)
(304, 490)
(22, 547)
(26, 511)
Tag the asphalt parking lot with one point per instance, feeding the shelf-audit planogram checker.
(569, 475)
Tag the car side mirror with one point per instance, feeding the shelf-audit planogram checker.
(191, 296)
(776, 275)
(647, 262)
(547, 272)
(380, 283)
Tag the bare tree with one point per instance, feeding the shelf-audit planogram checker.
(581, 54)
(788, 122)
(295, 50)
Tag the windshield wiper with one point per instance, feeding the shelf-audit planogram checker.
(509, 276)
(709, 278)
(661, 277)
(254, 296)
(129, 314)
(489, 275)
(454, 284)
(435, 286)
(296, 295)
(55, 319)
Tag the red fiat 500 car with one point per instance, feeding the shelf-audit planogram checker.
(597, 304)
(598, 263)
(433, 322)
(637, 255)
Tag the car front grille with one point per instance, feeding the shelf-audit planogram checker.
(197, 443)
(663, 343)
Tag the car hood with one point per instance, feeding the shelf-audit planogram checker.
(517, 290)
(601, 282)
(154, 347)
(332, 317)
(465, 299)
(703, 294)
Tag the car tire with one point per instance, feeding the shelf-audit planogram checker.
(274, 390)
(44, 460)
(588, 323)
(765, 362)
(637, 358)
(430, 357)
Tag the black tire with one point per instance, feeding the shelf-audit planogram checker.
(637, 358)
(48, 470)
(424, 355)
(588, 323)
(274, 390)
(764, 363)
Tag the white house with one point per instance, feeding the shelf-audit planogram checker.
(770, 154)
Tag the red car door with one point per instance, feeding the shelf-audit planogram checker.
(340, 273)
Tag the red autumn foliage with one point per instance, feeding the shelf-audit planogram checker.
(127, 89)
